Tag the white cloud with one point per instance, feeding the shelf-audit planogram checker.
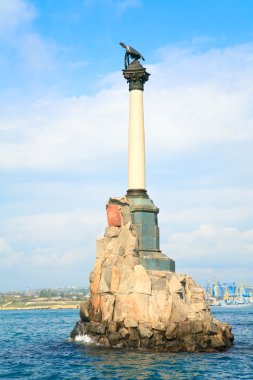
(66, 132)
(26, 52)
(8, 258)
(46, 247)
(194, 216)
(36, 52)
(220, 249)
(205, 205)
(203, 97)
(2, 244)
(123, 5)
(52, 228)
(194, 100)
(50, 257)
(180, 115)
(14, 14)
(58, 242)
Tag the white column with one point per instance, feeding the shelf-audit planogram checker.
(136, 142)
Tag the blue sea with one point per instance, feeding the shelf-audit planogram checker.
(34, 344)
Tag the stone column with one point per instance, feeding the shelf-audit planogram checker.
(142, 209)
(136, 76)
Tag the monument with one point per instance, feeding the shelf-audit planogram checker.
(143, 211)
(137, 299)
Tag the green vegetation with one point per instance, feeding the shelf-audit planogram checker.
(43, 298)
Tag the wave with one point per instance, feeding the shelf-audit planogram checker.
(84, 339)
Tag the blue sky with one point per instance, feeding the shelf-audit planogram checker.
(63, 133)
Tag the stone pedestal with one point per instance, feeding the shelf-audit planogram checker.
(133, 305)
(145, 224)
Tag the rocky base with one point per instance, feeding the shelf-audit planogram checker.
(188, 336)
(133, 306)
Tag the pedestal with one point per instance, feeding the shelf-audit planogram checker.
(136, 304)
(145, 224)
(142, 213)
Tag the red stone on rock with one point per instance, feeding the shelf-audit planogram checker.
(113, 216)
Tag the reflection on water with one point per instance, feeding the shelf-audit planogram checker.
(131, 364)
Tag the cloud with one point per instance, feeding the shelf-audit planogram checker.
(194, 216)
(35, 52)
(197, 104)
(59, 243)
(8, 258)
(25, 51)
(183, 112)
(49, 228)
(65, 132)
(49, 257)
(123, 5)
(14, 15)
(197, 204)
(204, 97)
(215, 247)
(43, 248)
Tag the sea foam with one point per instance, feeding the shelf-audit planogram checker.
(84, 339)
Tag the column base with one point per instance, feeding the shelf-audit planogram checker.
(137, 193)
(145, 224)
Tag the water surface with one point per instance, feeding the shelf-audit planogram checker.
(34, 344)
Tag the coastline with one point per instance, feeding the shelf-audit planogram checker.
(42, 307)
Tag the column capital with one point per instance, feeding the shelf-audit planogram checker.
(136, 75)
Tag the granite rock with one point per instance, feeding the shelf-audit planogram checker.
(130, 306)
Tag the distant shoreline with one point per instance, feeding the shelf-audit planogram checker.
(45, 307)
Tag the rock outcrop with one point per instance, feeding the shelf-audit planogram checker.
(131, 306)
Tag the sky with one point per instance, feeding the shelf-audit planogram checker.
(64, 124)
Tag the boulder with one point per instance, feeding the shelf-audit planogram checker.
(85, 310)
(97, 328)
(158, 283)
(158, 339)
(160, 326)
(114, 338)
(126, 283)
(107, 306)
(126, 215)
(103, 287)
(123, 332)
(130, 322)
(211, 328)
(171, 331)
(133, 338)
(111, 232)
(115, 278)
(103, 341)
(142, 283)
(145, 332)
(112, 327)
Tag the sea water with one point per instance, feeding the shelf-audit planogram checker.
(34, 344)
